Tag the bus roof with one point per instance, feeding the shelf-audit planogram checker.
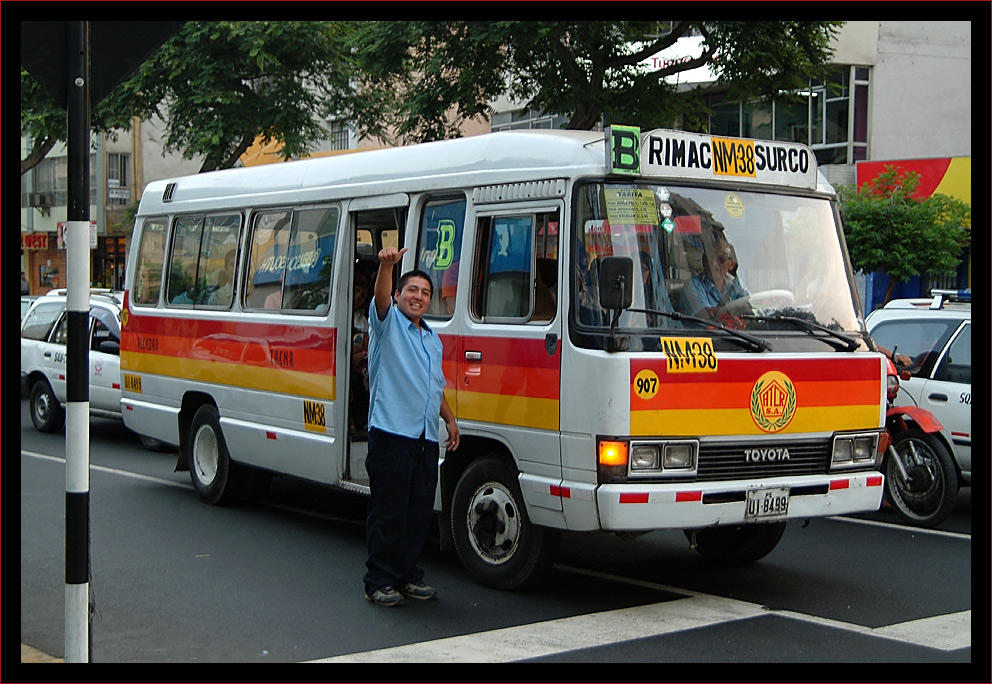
(502, 157)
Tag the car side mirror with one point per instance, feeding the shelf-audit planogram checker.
(616, 282)
(111, 347)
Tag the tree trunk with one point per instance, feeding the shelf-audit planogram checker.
(212, 164)
(38, 152)
(583, 119)
(888, 291)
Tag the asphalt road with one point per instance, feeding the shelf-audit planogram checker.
(175, 580)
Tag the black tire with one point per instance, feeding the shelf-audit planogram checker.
(215, 478)
(495, 540)
(736, 544)
(47, 414)
(928, 496)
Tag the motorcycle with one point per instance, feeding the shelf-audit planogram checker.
(921, 482)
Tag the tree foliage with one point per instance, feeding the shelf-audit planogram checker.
(889, 229)
(45, 123)
(220, 85)
(217, 86)
(421, 80)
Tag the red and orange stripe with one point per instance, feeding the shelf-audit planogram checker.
(277, 357)
(831, 394)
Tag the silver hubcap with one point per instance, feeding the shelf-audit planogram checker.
(205, 458)
(494, 523)
(43, 407)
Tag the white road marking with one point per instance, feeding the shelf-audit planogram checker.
(565, 634)
(113, 471)
(904, 528)
(945, 632)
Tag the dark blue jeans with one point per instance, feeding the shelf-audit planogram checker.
(403, 479)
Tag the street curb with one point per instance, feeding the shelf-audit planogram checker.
(33, 655)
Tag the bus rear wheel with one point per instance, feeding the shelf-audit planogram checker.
(216, 479)
(495, 540)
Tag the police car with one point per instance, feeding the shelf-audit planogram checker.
(935, 334)
(44, 331)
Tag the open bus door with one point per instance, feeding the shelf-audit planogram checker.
(373, 223)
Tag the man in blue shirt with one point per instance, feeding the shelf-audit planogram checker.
(406, 396)
(705, 295)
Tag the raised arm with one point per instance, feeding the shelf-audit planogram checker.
(383, 291)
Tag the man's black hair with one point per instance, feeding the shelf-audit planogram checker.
(412, 274)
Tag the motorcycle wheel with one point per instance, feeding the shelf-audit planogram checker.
(927, 497)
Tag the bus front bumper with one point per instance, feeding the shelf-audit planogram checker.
(653, 506)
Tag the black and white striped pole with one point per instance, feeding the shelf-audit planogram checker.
(77, 385)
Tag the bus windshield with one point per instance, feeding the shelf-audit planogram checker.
(744, 259)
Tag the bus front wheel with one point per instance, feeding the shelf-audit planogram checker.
(495, 540)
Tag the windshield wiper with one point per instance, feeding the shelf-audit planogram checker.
(749, 342)
(836, 340)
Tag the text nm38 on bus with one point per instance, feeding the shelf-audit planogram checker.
(641, 331)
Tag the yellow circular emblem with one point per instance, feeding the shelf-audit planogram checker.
(773, 401)
(646, 384)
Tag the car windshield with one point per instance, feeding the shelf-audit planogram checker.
(750, 258)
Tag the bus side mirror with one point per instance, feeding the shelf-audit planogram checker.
(616, 282)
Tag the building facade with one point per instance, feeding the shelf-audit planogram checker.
(120, 166)
(899, 91)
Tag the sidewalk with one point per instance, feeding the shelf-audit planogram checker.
(33, 655)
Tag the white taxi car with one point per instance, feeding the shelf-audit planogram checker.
(936, 335)
(43, 357)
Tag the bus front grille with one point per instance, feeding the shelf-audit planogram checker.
(737, 461)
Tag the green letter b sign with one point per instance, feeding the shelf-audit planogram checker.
(624, 149)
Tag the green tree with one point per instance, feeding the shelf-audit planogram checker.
(218, 86)
(45, 123)
(889, 229)
(421, 80)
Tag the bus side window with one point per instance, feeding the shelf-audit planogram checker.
(151, 255)
(439, 253)
(516, 286)
(267, 253)
(546, 276)
(198, 248)
(218, 255)
(311, 258)
(185, 253)
(505, 262)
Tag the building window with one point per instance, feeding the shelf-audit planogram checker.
(118, 179)
(833, 120)
(792, 122)
(338, 135)
(50, 178)
(726, 119)
(525, 118)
